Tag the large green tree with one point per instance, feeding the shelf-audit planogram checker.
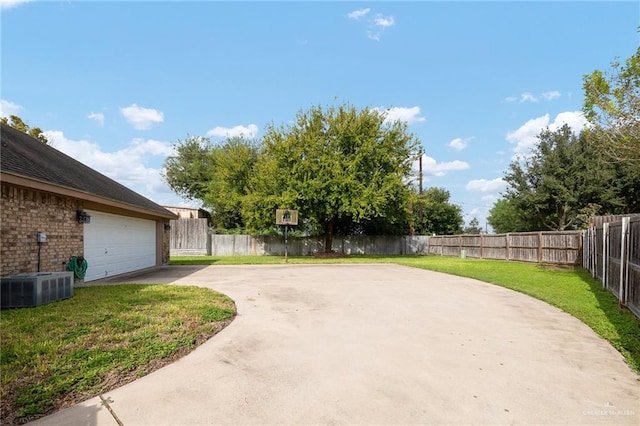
(433, 213)
(18, 124)
(337, 166)
(215, 174)
(612, 105)
(563, 179)
(188, 171)
(232, 167)
(505, 217)
(626, 184)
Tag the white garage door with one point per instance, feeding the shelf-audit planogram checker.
(117, 244)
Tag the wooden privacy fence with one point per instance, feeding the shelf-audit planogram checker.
(612, 255)
(189, 237)
(560, 247)
(192, 237)
(250, 245)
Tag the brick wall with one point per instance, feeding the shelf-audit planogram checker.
(25, 212)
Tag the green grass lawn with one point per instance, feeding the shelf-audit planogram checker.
(571, 289)
(58, 354)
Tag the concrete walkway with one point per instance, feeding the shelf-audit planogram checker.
(375, 344)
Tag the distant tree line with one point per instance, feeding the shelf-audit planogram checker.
(569, 177)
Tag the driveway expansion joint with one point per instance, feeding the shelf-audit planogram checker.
(105, 402)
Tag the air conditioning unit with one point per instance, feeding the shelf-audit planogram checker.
(22, 291)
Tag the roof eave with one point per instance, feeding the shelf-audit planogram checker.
(29, 182)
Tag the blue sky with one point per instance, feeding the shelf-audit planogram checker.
(114, 84)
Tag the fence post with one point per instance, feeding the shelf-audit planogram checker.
(481, 246)
(594, 254)
(624, 254)
(587, 253)
(605, 253)
(507, 246)
(539, 247)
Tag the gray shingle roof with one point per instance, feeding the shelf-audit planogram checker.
(22, 155)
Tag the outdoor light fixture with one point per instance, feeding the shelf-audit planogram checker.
(167, 227)
(82, 216)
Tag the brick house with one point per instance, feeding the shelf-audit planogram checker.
(81, 212)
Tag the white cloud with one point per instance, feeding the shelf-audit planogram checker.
(490, 199)
(378, 25)
(97, 116)
(149, 147)
(575, 119)
(459, 143)
(375, 25)
(527, 97)
(440, 169)
(407, 114)
(530, 97)
(526, 136)
(551, 95)
(8, 4)
(142, 118)
(8, 108)
(249, 131)
(384, 21)
(357, 14)
(430, 167)
(129, 166)
(373, 35)
(484, 185)
(474, 213)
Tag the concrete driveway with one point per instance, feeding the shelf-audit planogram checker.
(375, 344)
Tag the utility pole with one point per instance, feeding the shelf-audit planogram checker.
(420, 173)
(420, 198)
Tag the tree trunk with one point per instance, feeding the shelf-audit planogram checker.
(328, 235)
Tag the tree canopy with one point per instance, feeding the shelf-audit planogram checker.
(433, 213)
(217, 175)
(505, 217)
(338, 166)
(18, 124)
(612, 106)
(188, 172)
(564, 182)
(232, 167)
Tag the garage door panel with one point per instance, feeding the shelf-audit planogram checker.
(114, 264)
(118, 244)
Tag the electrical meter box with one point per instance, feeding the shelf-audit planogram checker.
(42, 237)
